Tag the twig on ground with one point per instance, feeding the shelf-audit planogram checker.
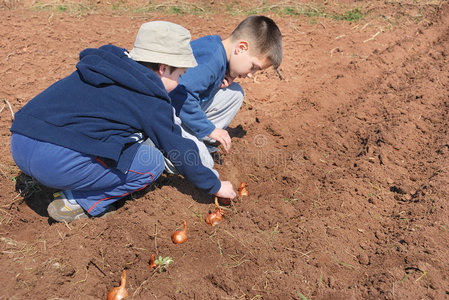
(60, 234)
(14, 200)
(98, 268)
(293, 26)
(302, 253)
(140, 287)
(85, 278)
(11, 54)
(9, 106)
(4, 211)
(44, 242)
(255, 178)
(241, 242)
(334, 49)
(372, 38)
(67, 225)
(219, 247)
(424, 274)
(102, 257)
(364, 26)
(4, 174)
(237, 260)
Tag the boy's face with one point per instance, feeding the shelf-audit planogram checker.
(170, 79)
(243, 64)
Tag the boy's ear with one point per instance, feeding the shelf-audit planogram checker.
(161, 70)
(242, 46)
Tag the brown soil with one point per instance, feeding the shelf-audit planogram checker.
(346, 161)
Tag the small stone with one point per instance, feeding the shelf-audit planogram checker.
(363, 259)
(379, 235)
(331, 281)
(413, 178)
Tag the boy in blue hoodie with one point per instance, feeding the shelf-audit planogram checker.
(207, 99)
(85, 133)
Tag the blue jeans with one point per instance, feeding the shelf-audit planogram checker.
(85, 178)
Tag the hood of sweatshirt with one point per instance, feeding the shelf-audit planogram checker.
(110, 65)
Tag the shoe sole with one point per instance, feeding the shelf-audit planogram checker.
(55, 215)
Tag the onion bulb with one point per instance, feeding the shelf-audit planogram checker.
(152, 264)
(180, 236)
(119, 292)
(216, 217)
(242, 190)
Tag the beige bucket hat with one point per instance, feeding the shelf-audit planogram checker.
(165, 43)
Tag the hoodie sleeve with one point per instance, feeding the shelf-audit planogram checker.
(195, 86)
(181, 151)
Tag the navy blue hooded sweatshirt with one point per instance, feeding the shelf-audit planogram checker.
(103, 106)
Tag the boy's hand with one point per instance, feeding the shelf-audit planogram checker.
(226, 190)
(221, 136)
(226, 81)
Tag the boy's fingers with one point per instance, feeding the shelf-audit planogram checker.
(222, 136)
(227, 144)
(225, 141)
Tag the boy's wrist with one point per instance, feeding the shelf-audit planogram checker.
(215, 188)
(206, 131)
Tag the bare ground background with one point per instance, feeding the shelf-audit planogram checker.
(346, 159)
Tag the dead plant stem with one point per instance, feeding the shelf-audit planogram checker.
(6, 102)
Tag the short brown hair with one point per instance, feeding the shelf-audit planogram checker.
(264, 34)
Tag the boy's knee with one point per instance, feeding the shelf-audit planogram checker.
(159, 165)
(236, 87)
(233, 95)
(237, 90)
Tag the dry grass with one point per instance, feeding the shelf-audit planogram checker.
(6, 103)
(10, 4)
(16, 250)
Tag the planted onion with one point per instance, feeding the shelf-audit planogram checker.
(180, 236)
(242, 190)
(152, 263)
(216, 217)
(119, 292)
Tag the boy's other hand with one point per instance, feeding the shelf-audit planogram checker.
(226, 190)
(221, 136)
(226, 81)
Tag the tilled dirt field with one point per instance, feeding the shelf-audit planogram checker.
(346, 160)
